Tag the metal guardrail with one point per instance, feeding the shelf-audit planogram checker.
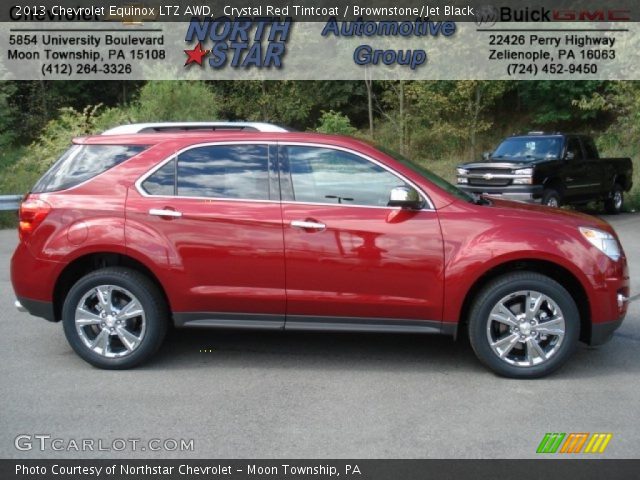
(10, 202)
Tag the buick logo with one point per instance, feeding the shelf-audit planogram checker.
(486, 16)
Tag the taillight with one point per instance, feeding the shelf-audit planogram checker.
(32, 213)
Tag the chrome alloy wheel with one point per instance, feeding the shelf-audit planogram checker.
(110, 321)
(526, 328)
(617, 199)
(553, 202)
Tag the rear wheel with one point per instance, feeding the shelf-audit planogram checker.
(115, 318)
(551, 198)
(614, 202)
(524, 325)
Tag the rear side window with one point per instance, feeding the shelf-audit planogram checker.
(590, 148)
(218, 171)
(224, 171)
(83, 162)
(163, 180)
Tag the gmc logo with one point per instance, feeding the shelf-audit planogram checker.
(592, 15)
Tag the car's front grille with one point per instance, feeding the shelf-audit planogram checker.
(489, 182)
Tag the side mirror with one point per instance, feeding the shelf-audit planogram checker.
(486, 156)
(405, 197)
(569, 156)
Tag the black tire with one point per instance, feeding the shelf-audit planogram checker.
(150, 326)
(482, 328)
(551, 198)
(614, 203)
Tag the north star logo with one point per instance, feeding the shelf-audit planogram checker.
(239, 43)
(195, 55)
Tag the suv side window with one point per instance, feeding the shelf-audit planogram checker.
(573, 146)
(326, 175)
(590, 148)
(163, 180)
(215, 171)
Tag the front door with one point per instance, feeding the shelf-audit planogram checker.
(351, 261)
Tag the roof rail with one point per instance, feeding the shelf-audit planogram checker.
(193, 126)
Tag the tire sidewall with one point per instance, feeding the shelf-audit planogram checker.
(142, 289)
(551, 193)
(610, 205)
(487, 300)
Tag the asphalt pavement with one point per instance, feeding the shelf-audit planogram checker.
(223, 394)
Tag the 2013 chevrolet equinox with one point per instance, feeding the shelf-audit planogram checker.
(299, 231)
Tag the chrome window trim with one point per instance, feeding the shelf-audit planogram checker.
(142, 192)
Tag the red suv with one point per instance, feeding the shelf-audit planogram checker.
(128, 233)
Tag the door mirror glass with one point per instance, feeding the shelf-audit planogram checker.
(486, 155)
(405, 197)
(569, 156)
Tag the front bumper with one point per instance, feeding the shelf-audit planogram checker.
(521, 193)
(602, 332)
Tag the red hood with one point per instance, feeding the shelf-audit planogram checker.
(527, 210)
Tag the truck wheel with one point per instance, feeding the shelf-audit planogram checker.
(524, 325)
(115, 318)
(614, 202)
(551, 198)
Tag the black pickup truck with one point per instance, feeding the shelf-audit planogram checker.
(549, 168)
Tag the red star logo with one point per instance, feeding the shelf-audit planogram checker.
(195, 55)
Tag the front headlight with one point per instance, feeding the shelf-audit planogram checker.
(524, 171)
(462, 171)
(603, 241)
(523, 181)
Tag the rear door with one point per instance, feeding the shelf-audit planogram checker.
(210, 219)
(352, 262)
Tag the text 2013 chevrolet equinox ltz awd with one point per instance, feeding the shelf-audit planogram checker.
(269, 229)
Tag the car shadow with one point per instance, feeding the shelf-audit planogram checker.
(429, 354)
(188, 348)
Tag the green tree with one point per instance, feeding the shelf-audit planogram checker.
(175, 101)
(8, 114)
(337, 123)
(551, 104)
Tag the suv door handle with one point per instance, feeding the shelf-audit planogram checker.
(164, 212)
(308, 225)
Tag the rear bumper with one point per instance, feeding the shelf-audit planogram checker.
(602, 332)
(37, 308)
(521, 193)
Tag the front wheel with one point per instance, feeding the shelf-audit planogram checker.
(115, 318)
(524, 325)
(551, 198)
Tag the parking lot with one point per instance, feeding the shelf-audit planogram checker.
(309, 395)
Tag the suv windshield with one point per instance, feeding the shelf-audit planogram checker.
(529, 148)
(428, 174)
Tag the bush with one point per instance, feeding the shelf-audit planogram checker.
(175, 101)
(335, 123)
